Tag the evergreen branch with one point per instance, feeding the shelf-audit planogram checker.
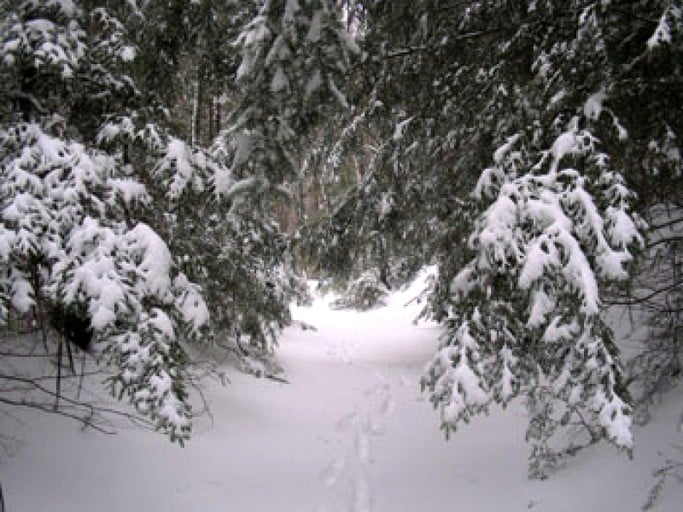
(403, 52)
(641, 300)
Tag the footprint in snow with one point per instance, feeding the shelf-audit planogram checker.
(347, 477)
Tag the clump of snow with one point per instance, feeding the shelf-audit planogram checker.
(129, 190)
(127, 54)
(291, 8)
(339, 96)
(190, 303)
(162, 323)
(612, 416)
(280, 81)
(179, 168)
(21, 293)
(503, 150)
(252, 40)
(349, 42)
(663, 33)
(154, 260)
(315, 28)
(471, 397)
(400, 128)
(565, 144)
(541, 306)
(592, 108)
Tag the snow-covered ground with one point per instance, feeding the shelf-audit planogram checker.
(350, 432)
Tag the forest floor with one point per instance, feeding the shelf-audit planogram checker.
(349, 432)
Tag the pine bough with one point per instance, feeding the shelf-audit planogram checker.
(524, 311)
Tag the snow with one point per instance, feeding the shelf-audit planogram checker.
(558, 96)
(127, 54)
(7, 238)
(578, 272)
(190, 303)
(67, 7)
(541, 255)
(154, 260)
(503, 150)
(499, 219)
(130, 191)
(339, 96)
(255, 35)
(349, 42)
(593, 106)
(279, 81)
(556, 331)
(21, 295)
(461, 376)
(541, 306)
(161, 322)
(400, 128)
(565, 144)
(316, 27)
(662, 34)
(350, 432)
(291, 8)
(180, 163)
(313, 83)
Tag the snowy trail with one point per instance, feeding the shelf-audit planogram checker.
(351, 432)
(348, 478)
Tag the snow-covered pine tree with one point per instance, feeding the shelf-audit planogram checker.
(402, 140)
(370, 225)
(524, 313)
(73, 230)
(576, 101)
(238, 259)
(655, 85)
(554, 230)
(293, 56)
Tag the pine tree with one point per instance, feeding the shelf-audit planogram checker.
(524, 312)
(77, 216)
(552, 112)
(293, 55)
